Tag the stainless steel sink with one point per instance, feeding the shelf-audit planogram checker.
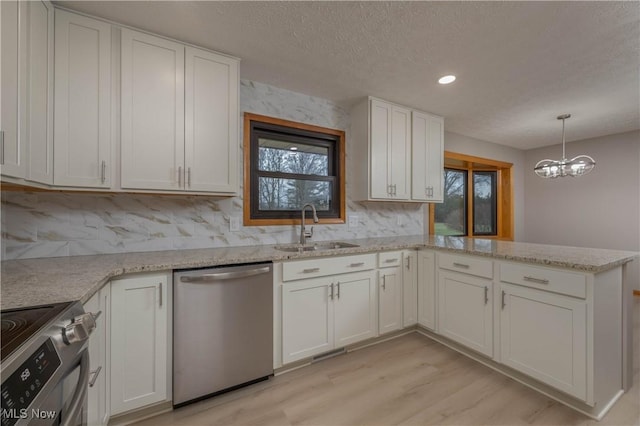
(329, 245)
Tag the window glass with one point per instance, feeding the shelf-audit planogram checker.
(292, 194)
(484, 203)
(451, 215)
(293, 157)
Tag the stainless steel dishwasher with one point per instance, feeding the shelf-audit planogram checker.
(222, 330)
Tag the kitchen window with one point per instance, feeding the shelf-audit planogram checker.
(477, 199)
(289, 164)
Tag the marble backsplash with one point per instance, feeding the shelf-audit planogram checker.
(50, 224)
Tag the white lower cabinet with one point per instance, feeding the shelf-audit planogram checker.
(140, 341)
(410, 288)
(390, 283)
(321, 314)
(426, 261)
(97, 394)
(465, 310)
(544, 335)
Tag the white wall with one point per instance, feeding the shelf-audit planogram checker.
(50, 224)
(601, 209)
(479, 148)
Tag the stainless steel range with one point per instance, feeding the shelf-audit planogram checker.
(45, 364)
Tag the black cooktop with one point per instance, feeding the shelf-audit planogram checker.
(18, 325)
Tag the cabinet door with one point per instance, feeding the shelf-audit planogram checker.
(410, 288)
(152, 112)
(544, 335)
(139, 341)
(211, 122)
(465, 310)
(427, 157)
(380, 144)
(400, 153)
(37, 113)
(82, 135)
(354, 307)
(427, 289)
(97, 407)
(12, 149)
(307, 319)
(390, 299)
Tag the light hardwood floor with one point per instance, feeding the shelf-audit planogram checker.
(409, 380)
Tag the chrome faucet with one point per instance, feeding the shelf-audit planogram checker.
(303, 234)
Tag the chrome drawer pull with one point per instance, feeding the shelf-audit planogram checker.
(486, 294)
(503, 303)
(355, 265)
(331, 291)
(390, 260)
(461, 265)
(95, 373)
(384, 282)
(338, 288)
(536, 280)
(310, 270)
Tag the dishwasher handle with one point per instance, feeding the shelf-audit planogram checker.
(221, 276)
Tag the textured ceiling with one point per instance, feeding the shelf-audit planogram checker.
(519, 64)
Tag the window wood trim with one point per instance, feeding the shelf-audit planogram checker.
(504, 184)
(247, 220)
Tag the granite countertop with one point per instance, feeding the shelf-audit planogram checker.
(31, 282)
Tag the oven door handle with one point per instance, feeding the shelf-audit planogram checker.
(79, 395)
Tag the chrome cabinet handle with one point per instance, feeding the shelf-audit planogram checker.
(503, 303)
(160, 294)
(338, 290)
(390, 189)
(95, 373)
(310, 270)
(390, 260)
(355, 265)
(486, 294)
(179, 176)
(461, 265)
(536, 280)
(394, 189)
(189, 177)
(331, 291)
(409, 262)
(103, 176)
(384, 282)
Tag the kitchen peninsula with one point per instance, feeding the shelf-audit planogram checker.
(512, 306)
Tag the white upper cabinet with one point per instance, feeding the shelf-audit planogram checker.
(12, 149)
(152, 112)
(27, 90)
(180, 117)
(211, 122)
(390, 137)
(404, 153)
(82, 136)
(427, 157)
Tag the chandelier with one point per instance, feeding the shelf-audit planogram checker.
(577, 166)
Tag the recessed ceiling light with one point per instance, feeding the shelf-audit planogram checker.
(447, 79)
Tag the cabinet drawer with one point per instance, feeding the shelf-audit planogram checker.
(311, 268)
(389, 259)
(466, 264)
(563, 282)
